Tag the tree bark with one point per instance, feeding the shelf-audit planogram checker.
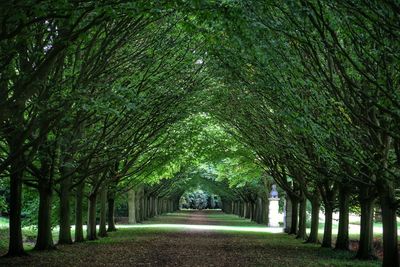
(295, 213)
(315, 207)
(142, 208)
(248, 210)
(110, 214)
(138, 215)
(389, 221)
(260, 210)
(253, 212)
(301, 234)
(15, 141)
(44, 240)
(64, 236)
(79, 213)
(156, 206)
(265, 212)
(91, 224)
(15, 246)
(342, 241)
(103, 213)
(131, 207)
(327, 239)
(365, 248)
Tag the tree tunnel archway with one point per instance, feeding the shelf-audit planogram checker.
(250, 201)
(100, 99)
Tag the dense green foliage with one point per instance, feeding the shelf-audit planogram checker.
(155, 97)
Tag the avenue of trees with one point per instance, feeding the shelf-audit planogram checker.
(146, 99)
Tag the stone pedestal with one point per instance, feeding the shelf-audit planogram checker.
(273, 214)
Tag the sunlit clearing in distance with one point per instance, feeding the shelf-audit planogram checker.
(209, 227)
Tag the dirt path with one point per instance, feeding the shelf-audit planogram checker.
(171, 241)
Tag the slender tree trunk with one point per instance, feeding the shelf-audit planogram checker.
(295, 213)
(44, 240)
(249, 210)
(91, 224)
(389, 221)
(15, 246)
(253, 212)
(260, 210)
(151, 207)
(15, 142)
(131, 207)
(110, 214)
(156, 206)
(342, 241)
(103, 213)
(327, 239)
(64, 236)
(79, 213)
(302, 219)
(315, 207)
(365, 248)
(139, 217)
(265, 212)
(142, 209)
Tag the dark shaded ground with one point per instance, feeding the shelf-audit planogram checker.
(164, 246)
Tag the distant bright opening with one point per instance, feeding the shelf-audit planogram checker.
(199, 199)
(208, 227)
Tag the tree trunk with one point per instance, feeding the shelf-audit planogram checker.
(365, 248)
(315, 207)
(142, 209)
(253, 212)
(64, 236)
(15, 246)
(389, 221)
(131, 207)
(342, 241)
(15, 141)
(265, 212)
(110, 214)
(79, 213)
(248, 210)
(295, 213)
(44, 240)
(91, 224)
(259, 209)
(301, 234)
(156, 206)
(103, 213)
(327, 239)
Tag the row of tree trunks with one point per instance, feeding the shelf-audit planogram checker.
(142, 207)
(257, 211)
(367, 201)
